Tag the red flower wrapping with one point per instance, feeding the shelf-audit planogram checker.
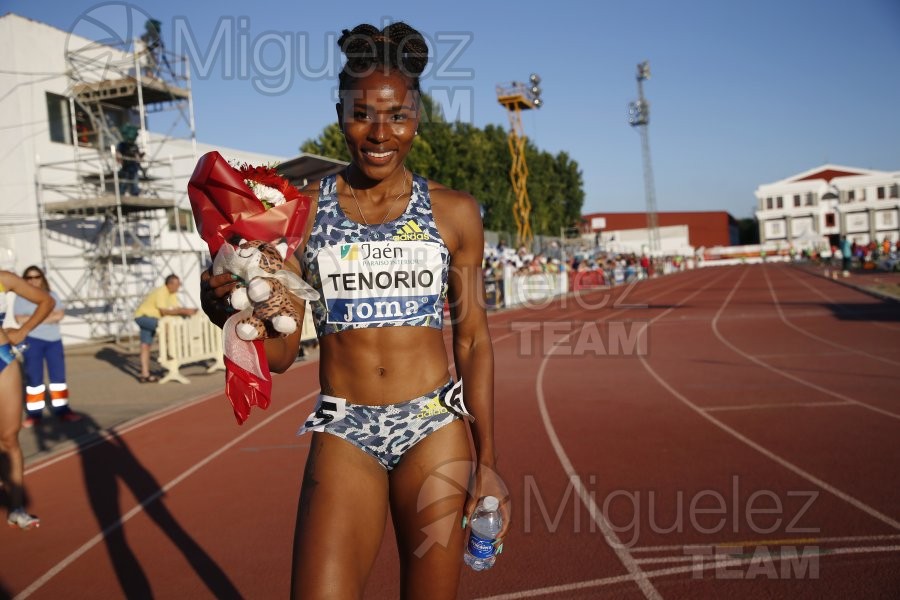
(226, 211)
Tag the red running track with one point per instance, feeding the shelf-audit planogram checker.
(726, 432)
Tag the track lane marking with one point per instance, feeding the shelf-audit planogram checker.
(806, 552)
(811, 335)
(137, 423)
(77, 553)
(785, 374)
(818, 540)
(612, 540)
(705, 566)
(775, 406)
(832, 300)
(758, 447)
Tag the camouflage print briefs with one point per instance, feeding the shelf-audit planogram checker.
(6, 356)
(384, 432)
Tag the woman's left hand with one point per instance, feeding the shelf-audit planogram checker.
(215, 291)
(488, 482)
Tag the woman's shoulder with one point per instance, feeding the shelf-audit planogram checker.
(455, 212)
(450, 200)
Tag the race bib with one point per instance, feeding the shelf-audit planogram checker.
(328, 410)
(380, 282)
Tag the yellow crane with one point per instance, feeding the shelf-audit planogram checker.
(516, 97)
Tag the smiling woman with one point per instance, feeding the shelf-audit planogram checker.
(385, 250)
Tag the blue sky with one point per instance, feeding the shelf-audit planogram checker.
(741, 93)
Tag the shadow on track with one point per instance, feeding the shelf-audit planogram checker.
(108, 467)
(883, 311)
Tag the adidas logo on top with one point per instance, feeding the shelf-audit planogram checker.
(410, 232)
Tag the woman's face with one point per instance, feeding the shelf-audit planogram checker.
(379, 117)
(34, 278)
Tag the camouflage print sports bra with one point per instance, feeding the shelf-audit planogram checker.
(380, 275)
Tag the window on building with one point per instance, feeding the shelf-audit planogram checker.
(810, 198)
(779, 202)
(851, 195)
(895, 191)
(183, 220)
(796, 200)
(829, 219)
(58, 118)
(880, 193)
(60, 126)
(769, 203)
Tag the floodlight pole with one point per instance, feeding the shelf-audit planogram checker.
(639, 117)
(516, 97)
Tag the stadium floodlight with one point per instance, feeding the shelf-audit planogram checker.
(639, 117)
(643, 70)
(516, 97)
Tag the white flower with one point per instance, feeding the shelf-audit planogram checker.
(267, 195)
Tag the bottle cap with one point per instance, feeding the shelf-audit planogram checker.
(490, 503)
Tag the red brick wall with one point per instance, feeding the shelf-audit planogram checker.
(704, 228)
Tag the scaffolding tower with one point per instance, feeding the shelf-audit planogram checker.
(101, 238)
(516, 97)
(639, 117)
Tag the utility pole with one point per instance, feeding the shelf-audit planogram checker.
(639, 117)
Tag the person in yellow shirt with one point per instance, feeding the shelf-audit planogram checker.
(163, 301)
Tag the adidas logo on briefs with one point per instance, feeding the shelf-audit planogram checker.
(410, 232)
(349, 252)
(432, 408)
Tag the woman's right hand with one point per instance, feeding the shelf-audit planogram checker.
(215, 294)
(13, 336)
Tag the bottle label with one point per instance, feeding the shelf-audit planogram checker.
(480, 547)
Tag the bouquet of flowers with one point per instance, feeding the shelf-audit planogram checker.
(232, 205)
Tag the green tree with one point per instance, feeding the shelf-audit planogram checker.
(330, 143)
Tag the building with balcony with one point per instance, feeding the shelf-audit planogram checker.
(815, 208)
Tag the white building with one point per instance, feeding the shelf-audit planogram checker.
(817, 207)
(65, 103)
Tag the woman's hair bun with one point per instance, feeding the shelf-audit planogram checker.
(397, 45)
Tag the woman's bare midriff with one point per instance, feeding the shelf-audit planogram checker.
(383, 365)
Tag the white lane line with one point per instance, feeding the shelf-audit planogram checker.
(833, 301)
(803, 355)
(806, 551)
(587, 499)
(759, 448)
(707, 565)
(846, 539)
(58, 567)
(811, 335)
(785, 374)
(136, 423)
(775, 405)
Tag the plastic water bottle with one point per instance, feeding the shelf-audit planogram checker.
(19, 352)
(486, 525)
